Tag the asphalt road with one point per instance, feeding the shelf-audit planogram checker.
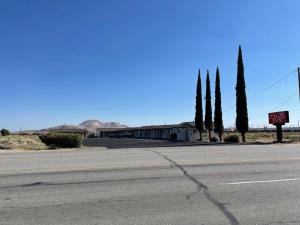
(251, 184)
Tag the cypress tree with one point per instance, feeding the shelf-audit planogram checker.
(218, 120)
(199, 110)
(241, 98)
(208, 110)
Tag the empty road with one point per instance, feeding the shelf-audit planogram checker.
(189, 185)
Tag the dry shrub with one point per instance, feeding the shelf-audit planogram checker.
(22, 142)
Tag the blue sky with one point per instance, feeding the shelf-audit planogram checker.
(136, 61)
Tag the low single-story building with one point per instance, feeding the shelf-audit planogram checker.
(180, 132)
(113, 132)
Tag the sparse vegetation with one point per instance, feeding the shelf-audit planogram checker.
(40, 142)
(260, 136)
(234, 138)
(21, 142)
(55, 140)
(214, 139)
(268, 137)
(292, 137)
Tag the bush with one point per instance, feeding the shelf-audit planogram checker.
(214, 139)
(232, 139)
(92, 136)
(55, 140)
(5, 132)
(22, 142)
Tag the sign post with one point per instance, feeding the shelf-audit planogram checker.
(278, 119)
(279, 132)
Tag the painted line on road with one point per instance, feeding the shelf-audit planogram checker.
(261, 181)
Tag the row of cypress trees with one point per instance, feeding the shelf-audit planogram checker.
(241, 104)
(218, 120)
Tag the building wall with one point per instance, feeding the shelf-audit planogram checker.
(186, 133)
(151, 133)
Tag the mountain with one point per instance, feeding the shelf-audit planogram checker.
(92, 125)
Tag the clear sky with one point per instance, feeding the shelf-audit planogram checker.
(136, 61)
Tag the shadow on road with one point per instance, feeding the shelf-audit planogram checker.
(114, 143)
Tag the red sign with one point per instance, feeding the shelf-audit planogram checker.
(279, 117)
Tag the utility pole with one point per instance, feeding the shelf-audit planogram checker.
(299, 81)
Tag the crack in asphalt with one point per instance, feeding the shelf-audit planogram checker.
(93, 170)
(86, 182)
(33, 184)
(93, 202)
(201, 188)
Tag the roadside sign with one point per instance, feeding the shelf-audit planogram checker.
(279, 117)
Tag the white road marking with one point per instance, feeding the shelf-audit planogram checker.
(261, 181)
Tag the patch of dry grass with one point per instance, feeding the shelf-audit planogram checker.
(267, 137)
(292, 137)
(22, 142)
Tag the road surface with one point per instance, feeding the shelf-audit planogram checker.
(245, 184)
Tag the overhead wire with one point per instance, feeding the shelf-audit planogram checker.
(265, 89)
(282, 104)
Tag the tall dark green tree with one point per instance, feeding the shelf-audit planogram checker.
(241, 98)
(218, 120)
(208, 110)
(199, 110)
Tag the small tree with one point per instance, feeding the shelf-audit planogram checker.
(241, 98)
(5, 132)
(199, 110)
(208, 110)
(218, 120)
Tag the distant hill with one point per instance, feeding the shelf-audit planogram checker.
(65, 126)
(92, 125)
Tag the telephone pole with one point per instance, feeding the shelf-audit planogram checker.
(299, 81)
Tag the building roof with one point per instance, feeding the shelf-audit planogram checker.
(111, 129)
(167, 126)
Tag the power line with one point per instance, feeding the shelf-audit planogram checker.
(282, 104)
(265, 89)
(272, 85)
(287, 100)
